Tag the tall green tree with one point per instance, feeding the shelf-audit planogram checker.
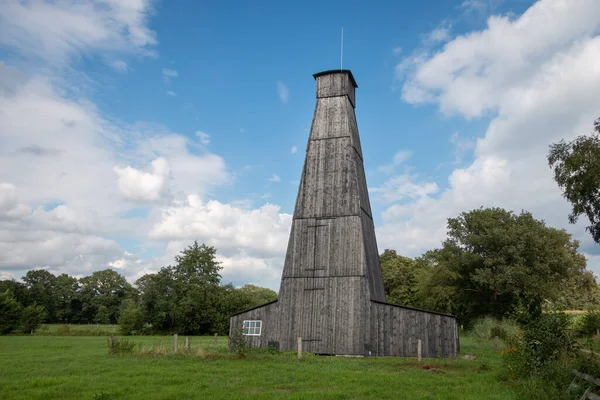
(68, 301)
(400, 277)
(576, 167)
(32, 317)
(103, 288)
(10, 312)
(494, 259)
(41, 285)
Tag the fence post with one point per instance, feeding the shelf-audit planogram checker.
(299, 347)
(187, 343)
(216, 339)
(496, 338)
(175, 342)
(111, 341)
(419, 349)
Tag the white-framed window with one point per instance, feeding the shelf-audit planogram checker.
(252, 328)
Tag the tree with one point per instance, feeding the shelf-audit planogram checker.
(102, 315)
(198, 265)
(577, 171)
(42, 290)
(68, 301)
(493, 259)
(131, 320)
(103, 288)
(256, 295)
(32, 317)
(10, 312)
(400, 277)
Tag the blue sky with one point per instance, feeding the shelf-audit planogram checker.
(132, 128)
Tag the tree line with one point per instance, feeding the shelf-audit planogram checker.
(188, 297)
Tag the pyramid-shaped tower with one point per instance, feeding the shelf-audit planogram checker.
(331, 292)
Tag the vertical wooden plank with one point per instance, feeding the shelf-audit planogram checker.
(175, 342)
(299, 347)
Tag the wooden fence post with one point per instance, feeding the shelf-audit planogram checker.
(299, 347)
(187, 343)
(419, 349)
(216, 339)
(111, 341)
(496, 342)
(175, 342)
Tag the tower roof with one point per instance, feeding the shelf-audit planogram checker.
(337, 71)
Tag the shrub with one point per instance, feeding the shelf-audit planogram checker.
(545, 340)
(238, 343)
(589, 323)
(488, 328)
(120, 346)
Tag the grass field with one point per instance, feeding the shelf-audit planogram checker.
(78, 367)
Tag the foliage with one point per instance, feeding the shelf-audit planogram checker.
(10, 312)
(589, 323)
(400, 277)
(486, 328)
(577, 171)
(105, 288)
(256, 295)
(545, 340)
(131, 320)
(102, 315)
(32, 318)
(120, 346)
(494, 259)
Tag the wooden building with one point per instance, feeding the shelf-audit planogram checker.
(331, 292)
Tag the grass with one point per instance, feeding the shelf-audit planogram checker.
(79, 367)
(77, 330)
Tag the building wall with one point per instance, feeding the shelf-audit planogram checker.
(395, 331)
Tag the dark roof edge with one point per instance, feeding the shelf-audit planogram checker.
(253, 308)
(413, 308)
(333, 71)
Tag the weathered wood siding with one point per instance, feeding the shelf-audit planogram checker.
(331, 271)
(395, 331)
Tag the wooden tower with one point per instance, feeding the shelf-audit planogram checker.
(331, 292)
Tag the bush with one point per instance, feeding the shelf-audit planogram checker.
(120, 346)
(544, 341)
(488, 328)
(589, 323)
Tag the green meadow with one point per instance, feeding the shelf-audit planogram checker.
(79, 367)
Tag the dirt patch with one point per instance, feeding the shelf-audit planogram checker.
(434, 369)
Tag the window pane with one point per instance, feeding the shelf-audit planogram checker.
(246, 324)
(252, 324)
(258, 323)
(245, 331)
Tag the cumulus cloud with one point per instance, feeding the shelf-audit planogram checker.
(283, 92)
(535, 77)
(139, 185)
(171, 93)
(55, 32)
(294, 150)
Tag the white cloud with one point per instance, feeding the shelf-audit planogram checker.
(58, 31)
(274, 178)
(171, 93)
(168, 74)
(204, 137)
(294, 150)
(145, 186)
(283, 92)
(536, 77)
(399, 158)
(440, 34)
(118, 65)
